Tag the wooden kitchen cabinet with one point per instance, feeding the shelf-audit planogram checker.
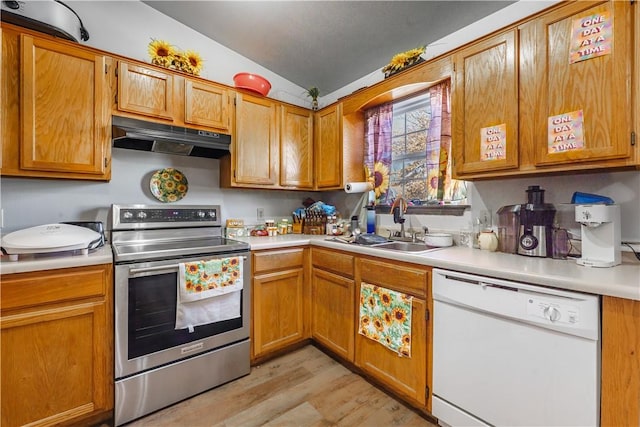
(620, 392)
(523, 76)
(55, 108)
(485, 94)
(169, 97)
(280, 300)
(145, 90)
(273, 147)
(406, 376)
(207, 105)
(333, 301)
(328, 148)
(296, 147)
(254, 160)
(600, 87)
(57, 346)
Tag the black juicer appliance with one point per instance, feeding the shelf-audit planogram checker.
(536, 224)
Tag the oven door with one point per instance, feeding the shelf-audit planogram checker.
(145, 314)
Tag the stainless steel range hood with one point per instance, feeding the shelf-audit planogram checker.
(141, 135)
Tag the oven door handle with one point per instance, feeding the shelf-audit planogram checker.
(167, 268)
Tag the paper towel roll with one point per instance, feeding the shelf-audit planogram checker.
(358, 187)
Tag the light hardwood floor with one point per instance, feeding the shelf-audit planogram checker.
(302, 388)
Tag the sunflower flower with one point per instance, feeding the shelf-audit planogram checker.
(403, 59)
(194, 60)
(161, 52)
(381, 179)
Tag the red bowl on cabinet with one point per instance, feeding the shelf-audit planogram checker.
(252, 82)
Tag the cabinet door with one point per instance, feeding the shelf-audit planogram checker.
(256, 142)
(65, 109)
(206, 105)
(145, 90)
(296, 147)
(600, 87)
(407, 376)
(620, 393)
(333, 318)
(485, 95)
(56, 344)
(328, 148)
(277, 310)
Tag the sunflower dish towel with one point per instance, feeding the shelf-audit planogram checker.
(385, 317)
(208, 291)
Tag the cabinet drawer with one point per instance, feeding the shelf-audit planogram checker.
(42, 287)
(400, 277)
(336, 262)
(277, 259)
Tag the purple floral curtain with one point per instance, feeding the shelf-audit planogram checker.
(377, 154)
(439, 139)
(378, 137)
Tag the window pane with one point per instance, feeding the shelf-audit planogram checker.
(415, 189)
(398, 125)
(418, 120)
(417, 142)
(397, 147)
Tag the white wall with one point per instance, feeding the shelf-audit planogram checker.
(127, 27)
(30, 202)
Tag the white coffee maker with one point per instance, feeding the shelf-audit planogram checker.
(600, 229)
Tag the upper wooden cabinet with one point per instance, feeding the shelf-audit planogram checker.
(523, 78)
(328, 148)
(206, 105)
(273, 147)
(170, 97)
(600, 87)
(145, 90)
(296, 147)
(254, 150)
(55, 109)
(485, 95)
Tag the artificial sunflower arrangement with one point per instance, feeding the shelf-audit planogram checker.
(162, 53)
(403, 60)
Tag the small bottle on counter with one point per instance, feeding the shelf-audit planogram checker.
(270, 224)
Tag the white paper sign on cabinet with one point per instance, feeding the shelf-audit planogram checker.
(591, 36)
(565, 132)
(493, 142)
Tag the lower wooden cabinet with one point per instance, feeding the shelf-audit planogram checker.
(333, 302)
(406, 376)
(279, 300)
(57, 346)
(620, 393)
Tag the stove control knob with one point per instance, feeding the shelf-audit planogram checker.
(142, 215)
(212, 214)
(127, 215)
(200, 214)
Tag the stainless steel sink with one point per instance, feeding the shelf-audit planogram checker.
(405, 247)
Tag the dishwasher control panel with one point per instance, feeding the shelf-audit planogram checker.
(551, 310)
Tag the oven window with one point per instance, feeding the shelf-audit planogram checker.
(152, 316)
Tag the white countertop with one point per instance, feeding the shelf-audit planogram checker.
(52, 261)
(621, 281)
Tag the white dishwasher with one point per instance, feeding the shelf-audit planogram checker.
(512, 354)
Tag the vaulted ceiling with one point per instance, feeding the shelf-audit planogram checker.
(326, 44)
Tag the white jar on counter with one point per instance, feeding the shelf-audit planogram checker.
(488, 241)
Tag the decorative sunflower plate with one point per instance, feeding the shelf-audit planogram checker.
(169, 185)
